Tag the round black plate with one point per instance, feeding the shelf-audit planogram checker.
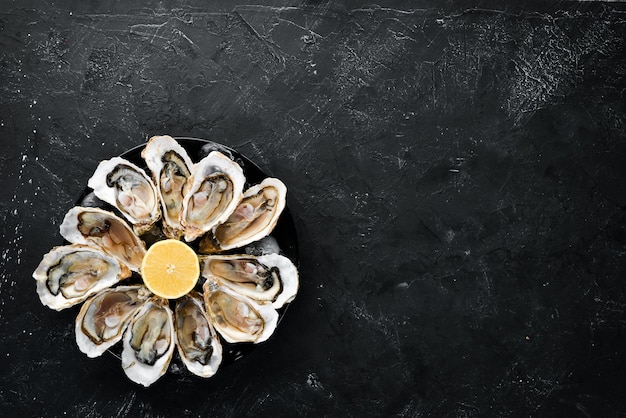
(284, 233)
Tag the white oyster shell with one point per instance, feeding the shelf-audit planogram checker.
(103, 318)
(197, 342)
(270, 278)
(149, 342)
(105, 230)
(171, 170)
(255, 217)
(69, 274)
(127, 187)
(216, 187)
(236, 317)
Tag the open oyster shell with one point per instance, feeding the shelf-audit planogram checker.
(127, 187)
(216, 188)
(103, 318)
(105, 230)
(236, 317)
(171, 170)
(255, 217)
(149, 342)
(198, 344)
(269, 278)
(69, 274)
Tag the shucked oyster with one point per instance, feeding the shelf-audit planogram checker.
(103, 229)
(149, 342)
(171, 169)
(103, 318)
(255, 217)
(198, 344)
(269, 278)
(216, 188)
(236, 317)
(69, 274)
(127, 187)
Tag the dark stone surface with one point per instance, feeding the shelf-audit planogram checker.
(455, 173)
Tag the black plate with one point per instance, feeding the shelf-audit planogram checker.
(284, 233)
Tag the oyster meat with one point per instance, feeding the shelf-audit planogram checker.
(171, 169)
(236, 317)
(270, 278)
(127, 187)
(255, 217)
(149, 342)
(103, 319)
(198, 344)
(216, 187)
(105, 230)
(69, 274)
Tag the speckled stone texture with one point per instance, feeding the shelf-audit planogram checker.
(455, 172)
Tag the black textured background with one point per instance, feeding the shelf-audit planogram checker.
(455, 171)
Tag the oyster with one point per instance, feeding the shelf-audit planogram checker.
(255, 217)
(69, 274)
(236, 317)
(105, 230)
(149, 342)
(216, 188)
(269, 278)
(198, 344)
(103, 318)
(127, 187)
(171, 169)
